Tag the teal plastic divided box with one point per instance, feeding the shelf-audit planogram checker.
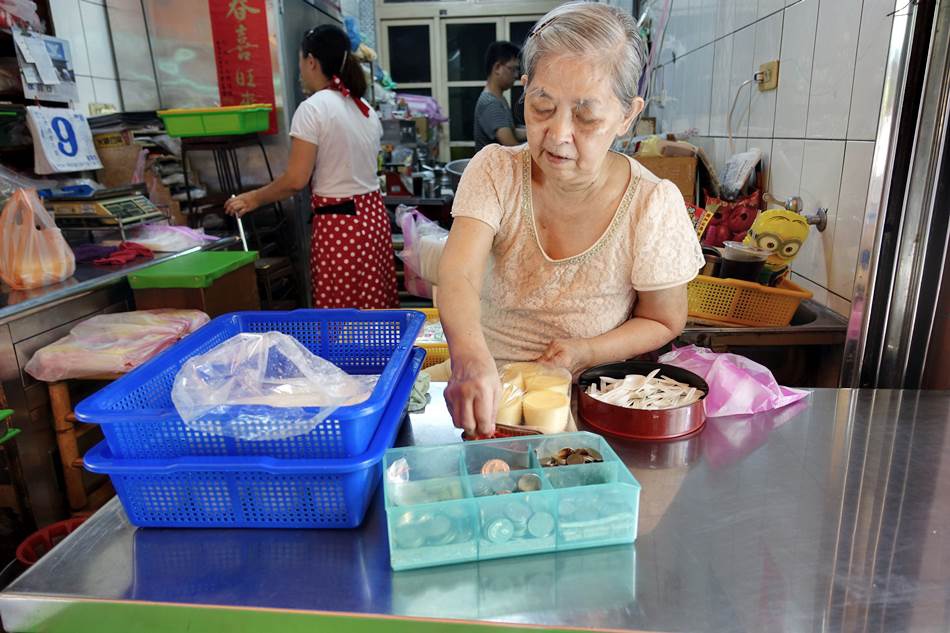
(223, 121)
(440, 509)
(197, 270)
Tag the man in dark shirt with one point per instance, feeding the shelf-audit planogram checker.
(494, 122)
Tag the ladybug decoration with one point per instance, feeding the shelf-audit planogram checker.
(731, 220)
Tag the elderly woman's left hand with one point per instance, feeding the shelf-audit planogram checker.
(571, 354)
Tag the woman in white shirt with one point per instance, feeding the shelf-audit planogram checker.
(334, 146)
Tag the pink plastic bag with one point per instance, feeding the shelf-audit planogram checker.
(113, 343)
(737, 385)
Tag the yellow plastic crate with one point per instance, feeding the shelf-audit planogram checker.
(744, 302)
(435, 352)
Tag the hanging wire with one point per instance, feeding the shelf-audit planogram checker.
(895, 12)
(735, 100)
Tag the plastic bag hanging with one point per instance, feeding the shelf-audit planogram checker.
(261, 387)
(33, 252)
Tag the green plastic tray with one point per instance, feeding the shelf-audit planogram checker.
(445, 512)
(224, 121)
(197, 270)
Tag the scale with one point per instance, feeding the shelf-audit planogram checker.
(105, 209)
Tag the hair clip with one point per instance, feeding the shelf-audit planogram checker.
(343, 63)
(542, 26)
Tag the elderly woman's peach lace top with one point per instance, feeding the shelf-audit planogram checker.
(529, 299)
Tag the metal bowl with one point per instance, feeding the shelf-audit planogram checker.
(455, 169)
(641, 424)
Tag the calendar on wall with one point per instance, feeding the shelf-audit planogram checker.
(62, 140)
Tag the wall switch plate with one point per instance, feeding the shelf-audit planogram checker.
(769, 73)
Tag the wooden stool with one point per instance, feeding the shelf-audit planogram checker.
(272, 273)
(68, 432)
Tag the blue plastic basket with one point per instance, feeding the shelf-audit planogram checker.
(139, 420)
(255, 492)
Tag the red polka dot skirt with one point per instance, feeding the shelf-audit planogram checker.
(351, 255)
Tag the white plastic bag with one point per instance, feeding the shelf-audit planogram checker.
(263, 387)
(424, 242)
(169, 239)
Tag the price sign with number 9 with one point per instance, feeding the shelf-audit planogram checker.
(66, 135)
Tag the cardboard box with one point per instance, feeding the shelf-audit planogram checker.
(681, 170)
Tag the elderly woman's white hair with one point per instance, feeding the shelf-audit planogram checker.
(603, 33)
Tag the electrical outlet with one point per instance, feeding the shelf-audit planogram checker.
(769, 73)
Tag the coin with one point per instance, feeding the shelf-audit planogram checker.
(575, 459)
(501, 484)
(408, 537)
(529, 483)
(518, 513)
(564, 453)
(494, 467)
(597, 456)
(541, 525)
(437, 527)
(500, 531)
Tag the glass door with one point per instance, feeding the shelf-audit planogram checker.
(465, 43)
(414, 73)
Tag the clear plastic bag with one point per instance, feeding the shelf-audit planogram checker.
(263, 387)
(424, 242)
(113, 343)
(535, 396)
(33, 252)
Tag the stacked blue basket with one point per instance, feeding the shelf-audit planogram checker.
(169, 475)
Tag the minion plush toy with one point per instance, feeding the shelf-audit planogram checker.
(783, 232)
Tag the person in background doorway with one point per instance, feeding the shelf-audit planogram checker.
(494, 122)
(335, 141)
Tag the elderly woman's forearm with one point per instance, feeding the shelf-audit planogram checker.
(637, 336)
(461, 316)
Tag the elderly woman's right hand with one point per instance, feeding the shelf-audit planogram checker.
(473, 392)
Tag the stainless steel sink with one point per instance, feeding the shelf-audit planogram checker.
(804, 315)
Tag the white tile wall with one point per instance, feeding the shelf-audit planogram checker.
(794, 84)
(743, 45)
(703, 82)
(721, 96)
(833, 69)
(84, 24)
(107, 91)
(786, 167)
(725, 18)
(767, 7)
(745, 13)
(87, 93)
(768, 42)
(820, 183)
(95, 25)
(871, 57)
(68, 23)
(850, 214)
(816, 131)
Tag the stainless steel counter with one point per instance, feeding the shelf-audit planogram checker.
(88, 277)
(829, 515)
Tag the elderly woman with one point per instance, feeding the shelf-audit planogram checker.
(590, 253)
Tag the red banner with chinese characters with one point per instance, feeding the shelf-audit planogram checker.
(242, 53)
